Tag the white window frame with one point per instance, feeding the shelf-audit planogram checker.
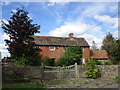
(52, 49)
(83, 61)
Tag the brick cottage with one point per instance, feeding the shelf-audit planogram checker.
(54, 47)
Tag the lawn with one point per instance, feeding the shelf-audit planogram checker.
(24, 85)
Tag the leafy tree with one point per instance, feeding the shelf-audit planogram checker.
(72, 55)
(112, 47)
(114, 52)
(20, 29)
(94, 46)
(107, 42)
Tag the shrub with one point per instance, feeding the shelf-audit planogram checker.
(47, 61)
(28, 61)
(108, 63)
(21, 61)
(72, 55)
(92, 70)
(97, 62)
(117, 79)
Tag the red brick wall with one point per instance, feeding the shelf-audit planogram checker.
(86, 54)
(52, 54)
(59, 51)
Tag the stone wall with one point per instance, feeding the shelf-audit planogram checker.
(106, 71)
(109, 71)
(21, 73)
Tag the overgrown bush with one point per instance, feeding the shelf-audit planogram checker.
(47, 61)
(97, 62)
(114, 60)
(92, 70)
(28, 61)
(21, 61)
(108, 63)
(117, 79)
(72, 55)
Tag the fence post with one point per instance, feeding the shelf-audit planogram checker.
(42, 66)
(59, 73)
(76, 71)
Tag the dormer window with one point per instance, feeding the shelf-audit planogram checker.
(52, 48)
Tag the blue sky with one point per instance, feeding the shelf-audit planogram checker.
(62, 18)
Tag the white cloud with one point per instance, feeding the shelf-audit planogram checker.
(3, 47)
(3, 50)
(113, 22)
(89, 38)
(73, 27)
(59, 1)
(93, 9)
(78, 28)
(113, 8)
(29, 15)
(83, 0)
(6, 2)
(14, 10)
(4, 53)
(5, 21)
(51, 4)
(54, 2)
(5, 36)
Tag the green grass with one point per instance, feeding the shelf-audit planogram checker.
(23, 85)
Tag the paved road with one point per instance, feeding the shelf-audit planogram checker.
(82, 83)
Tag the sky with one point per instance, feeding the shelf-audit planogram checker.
(90, 20)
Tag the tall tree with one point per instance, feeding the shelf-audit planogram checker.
(107, 42)
(114, 52)
(94, 46)
(111, 45)
(20, 29)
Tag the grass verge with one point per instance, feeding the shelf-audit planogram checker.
(24, 85)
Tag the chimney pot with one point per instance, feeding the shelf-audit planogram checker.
(71, 35)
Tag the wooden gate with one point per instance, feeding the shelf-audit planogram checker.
(60, 72)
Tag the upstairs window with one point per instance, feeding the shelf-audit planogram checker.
(52, 48)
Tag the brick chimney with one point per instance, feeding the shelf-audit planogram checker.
(71, 35)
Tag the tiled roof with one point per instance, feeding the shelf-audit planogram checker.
(59, 41)
(98, 54)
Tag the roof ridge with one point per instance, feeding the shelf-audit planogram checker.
(51, 40)
(58, 37)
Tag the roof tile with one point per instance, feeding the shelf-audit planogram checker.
(60, 41)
